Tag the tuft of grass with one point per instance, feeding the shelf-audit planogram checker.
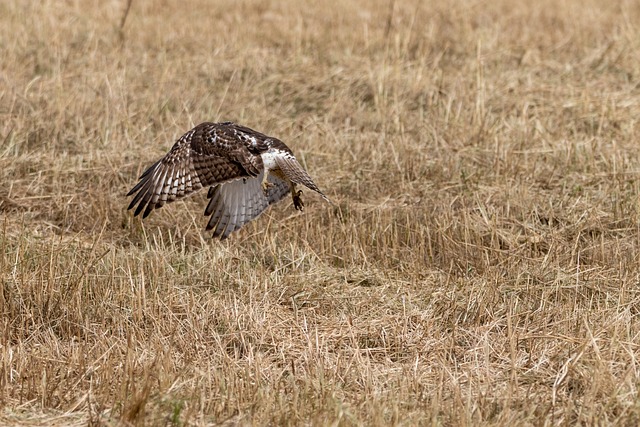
(479, 265)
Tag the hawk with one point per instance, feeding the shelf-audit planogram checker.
(245, 170)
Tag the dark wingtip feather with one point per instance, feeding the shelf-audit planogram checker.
(131, 205)
(149, 169)
(139, 209)
(140, 188)
(136, 188)
(209, 225)
(220, 236)
(211, 191)
(147, 211)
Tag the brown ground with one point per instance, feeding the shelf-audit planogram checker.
(480, 265)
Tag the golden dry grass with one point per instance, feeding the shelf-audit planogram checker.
(480, 265)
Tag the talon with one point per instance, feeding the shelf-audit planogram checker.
(297, 201)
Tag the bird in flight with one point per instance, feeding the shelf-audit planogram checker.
(245, 170)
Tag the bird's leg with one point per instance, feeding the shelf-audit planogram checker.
(297, 199)
(266, 184)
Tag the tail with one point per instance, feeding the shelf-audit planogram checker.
(296, 174)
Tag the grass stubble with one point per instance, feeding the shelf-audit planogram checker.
(479, 266)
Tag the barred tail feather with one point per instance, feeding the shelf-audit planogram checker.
(296, 173)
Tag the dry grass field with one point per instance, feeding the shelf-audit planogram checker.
(480, 264)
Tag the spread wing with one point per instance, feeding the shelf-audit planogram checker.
(235, 203)
(204, 156)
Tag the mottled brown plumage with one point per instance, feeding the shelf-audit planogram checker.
(245, 170)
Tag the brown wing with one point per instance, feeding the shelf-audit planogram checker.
(204, 156)
(235, 203)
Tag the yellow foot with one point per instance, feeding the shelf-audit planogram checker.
(265, 186)
(297, 200)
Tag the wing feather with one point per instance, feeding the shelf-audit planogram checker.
(208, 154)
(246, 202)
(235, 203)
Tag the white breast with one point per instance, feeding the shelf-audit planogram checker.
(269, 159)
